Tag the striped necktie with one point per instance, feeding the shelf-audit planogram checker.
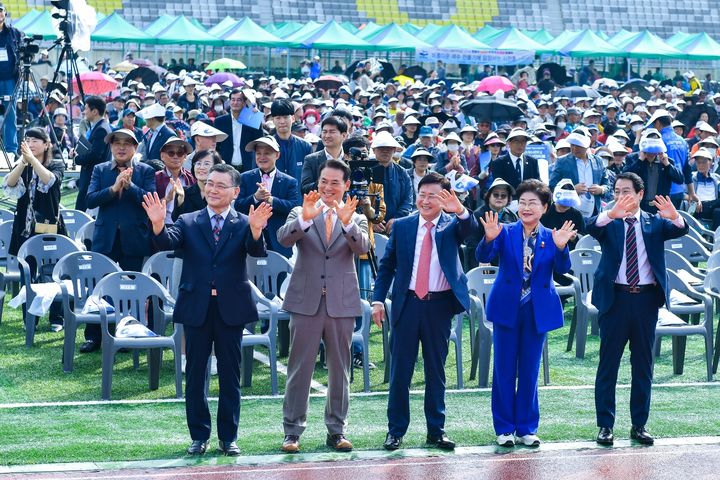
(632, 271)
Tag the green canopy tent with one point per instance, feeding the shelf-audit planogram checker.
(183, 31)
(700, 47)
(679, 38)
(648, 45)
(541, 36)
(332, 36)
(621, 37)
(558, 42)
(486, 32)
(247, 33)
(283, 29)
(455, 38)
(160, 24)
(225, 24)
(302, 32)
(26, 19)
(602, 34)
(41, 25)
(514, 40)
(368, 30)
(393, 37)
(114, 28)
(428, 31)
(198, 24)
(588, 44)
(411, 28)
(350, 27)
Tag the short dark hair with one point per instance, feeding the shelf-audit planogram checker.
(664, 121)
(435, 178)
(96, 103)
(229, 169)
(537, 187)
(637, 182)
(200, 154)
(337, 165)
(356, 141)
(336, 122)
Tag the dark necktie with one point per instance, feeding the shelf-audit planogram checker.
(217, 226)
(632, 272)
(517, 169)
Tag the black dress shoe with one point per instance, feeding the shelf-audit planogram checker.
(197, 447)
(441, 441)
(605, 436)
(392, 442)
(229, 448)
(89, 346)
(639, 434)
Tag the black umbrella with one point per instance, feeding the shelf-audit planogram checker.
(388, 71)
(558, 73)
(442, 117)
(691, 114)
(142, 74)
(576, 92)
(638, 84)
(491, 109)
(415, 71)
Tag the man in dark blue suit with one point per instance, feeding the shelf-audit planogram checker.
(121, 228)
(429, 288)
(98, 151)
(157, 133)
(232, 149)
(215, 299)
(630, 287)
(269, 185)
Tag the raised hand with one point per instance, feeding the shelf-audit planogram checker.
(665, 208)
(624, 207)
(310, 208)
(262, 193)
(155, 209)
(345, 213)
(562, 236)
(258, 218)
(170, 195)
(491, 225)
(450, 202)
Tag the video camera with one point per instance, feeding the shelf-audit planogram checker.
(28, 47)
(362, 172)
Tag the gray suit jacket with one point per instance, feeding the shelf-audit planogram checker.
(311, 171)
(319, 265)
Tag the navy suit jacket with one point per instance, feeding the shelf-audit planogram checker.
(154, 152)
(124, 213)
(206, 264)
(286, 196)
(655, 230)
(225, 148)
(566, 167)
(397, 263)
(504, 301)
(98, 153)
(503, 167)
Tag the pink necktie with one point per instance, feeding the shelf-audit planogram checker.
(422, 281)
(265, 179)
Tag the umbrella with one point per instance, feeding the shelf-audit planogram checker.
(532, 77)
(640, 85)
(558, 73)
(124, 66)
(494, 83)
(223, 77)
(576, 92)
(329, 82)
(604, 84)
(95, 83)
(490, 108)
(386, 69)
(142, 74)
(403, 79)
(141, 62)
(416, 71)
(225, 64)
(691, 114)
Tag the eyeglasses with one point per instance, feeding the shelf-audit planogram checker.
(529, 205)
(219, 186)
(426, 196)
(175, 153)
(500, 195)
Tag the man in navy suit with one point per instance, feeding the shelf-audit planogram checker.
(269, 185)
(98, 152)
(157, 134)
(121, 228)
(429, 288)
(215, 299)
(232, 149)
(515, 166)
(630, 287)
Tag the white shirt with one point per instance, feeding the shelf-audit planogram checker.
(223, 214)
(644, 268)
(305, 225)
(515, 160)
(416, 181)
(341, 157)
(237, 136)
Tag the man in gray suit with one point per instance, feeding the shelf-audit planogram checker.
(323, 299)
(333, 133)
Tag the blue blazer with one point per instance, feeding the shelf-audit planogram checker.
(286, 195)
(207, 264)
(566, 167)
(225, 148)
(397, 263)
(162, 136)
(504, 300)
(655, 230)
(124, 213)
(442, 161)
(98, 153)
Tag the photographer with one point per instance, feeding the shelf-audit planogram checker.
(10, 39)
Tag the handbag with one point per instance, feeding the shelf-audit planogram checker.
(44, 225)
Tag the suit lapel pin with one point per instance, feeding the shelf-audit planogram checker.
(542, 244)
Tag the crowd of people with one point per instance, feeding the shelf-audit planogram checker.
(233, 170)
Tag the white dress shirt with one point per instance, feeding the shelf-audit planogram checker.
(341, 157)
(305, 225)
(223, 214)
(644, 268)
(237, 137)
(515, 160)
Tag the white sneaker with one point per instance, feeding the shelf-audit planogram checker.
(183, 361)
(529, 440)
(506, 440)
(213, 366)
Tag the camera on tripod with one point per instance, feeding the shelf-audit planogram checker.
(28, 47)
(362, 172)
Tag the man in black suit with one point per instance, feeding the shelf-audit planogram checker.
(98, 152)
(232, 149)
(215, 299)
(515, 166)
(157, 133)
(333, 134)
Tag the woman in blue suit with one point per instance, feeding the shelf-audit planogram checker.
(523, 307)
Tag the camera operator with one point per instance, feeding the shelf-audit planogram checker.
(372, 205)
(10, 39)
